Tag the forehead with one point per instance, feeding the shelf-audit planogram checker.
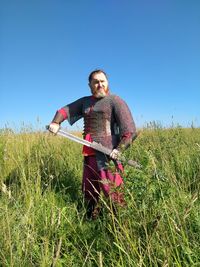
(99, 76)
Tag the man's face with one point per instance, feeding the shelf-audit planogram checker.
(99, 85)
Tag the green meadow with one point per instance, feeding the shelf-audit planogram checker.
(42, 214)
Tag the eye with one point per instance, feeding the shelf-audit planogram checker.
(95, 81)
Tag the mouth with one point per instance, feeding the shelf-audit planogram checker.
(101, 89)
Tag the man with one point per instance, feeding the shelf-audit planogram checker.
(107, 120)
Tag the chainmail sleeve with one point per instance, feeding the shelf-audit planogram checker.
(75, 110)
(60, 116)
(72, 112)
(125, 122)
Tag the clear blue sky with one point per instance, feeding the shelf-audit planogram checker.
(149, 48)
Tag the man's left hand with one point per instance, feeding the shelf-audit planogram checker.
(115, 154)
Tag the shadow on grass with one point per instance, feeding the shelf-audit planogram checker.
(66, 184)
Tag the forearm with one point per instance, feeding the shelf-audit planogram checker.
(126, 141)
(60, 116)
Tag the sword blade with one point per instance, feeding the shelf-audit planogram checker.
(74, 138)
(95, 146)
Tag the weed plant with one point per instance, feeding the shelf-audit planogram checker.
(42, 214)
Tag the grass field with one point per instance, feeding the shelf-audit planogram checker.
(42, 216)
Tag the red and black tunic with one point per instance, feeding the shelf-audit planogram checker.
(107, 120)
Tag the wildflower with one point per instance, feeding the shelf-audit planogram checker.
(5, 190)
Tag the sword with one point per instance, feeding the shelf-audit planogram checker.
(96, 146)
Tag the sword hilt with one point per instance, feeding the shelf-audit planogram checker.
(131, 162)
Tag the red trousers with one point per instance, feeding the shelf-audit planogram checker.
(94, 181)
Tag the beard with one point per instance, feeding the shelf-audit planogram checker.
(99, 93)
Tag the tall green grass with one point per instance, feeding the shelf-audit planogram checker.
(42, 215)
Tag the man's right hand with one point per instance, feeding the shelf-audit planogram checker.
(54, 127)
(115, 154)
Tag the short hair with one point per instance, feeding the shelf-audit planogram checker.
(94, 72)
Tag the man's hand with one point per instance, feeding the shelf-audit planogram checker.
(54, 127)
(115, 154)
